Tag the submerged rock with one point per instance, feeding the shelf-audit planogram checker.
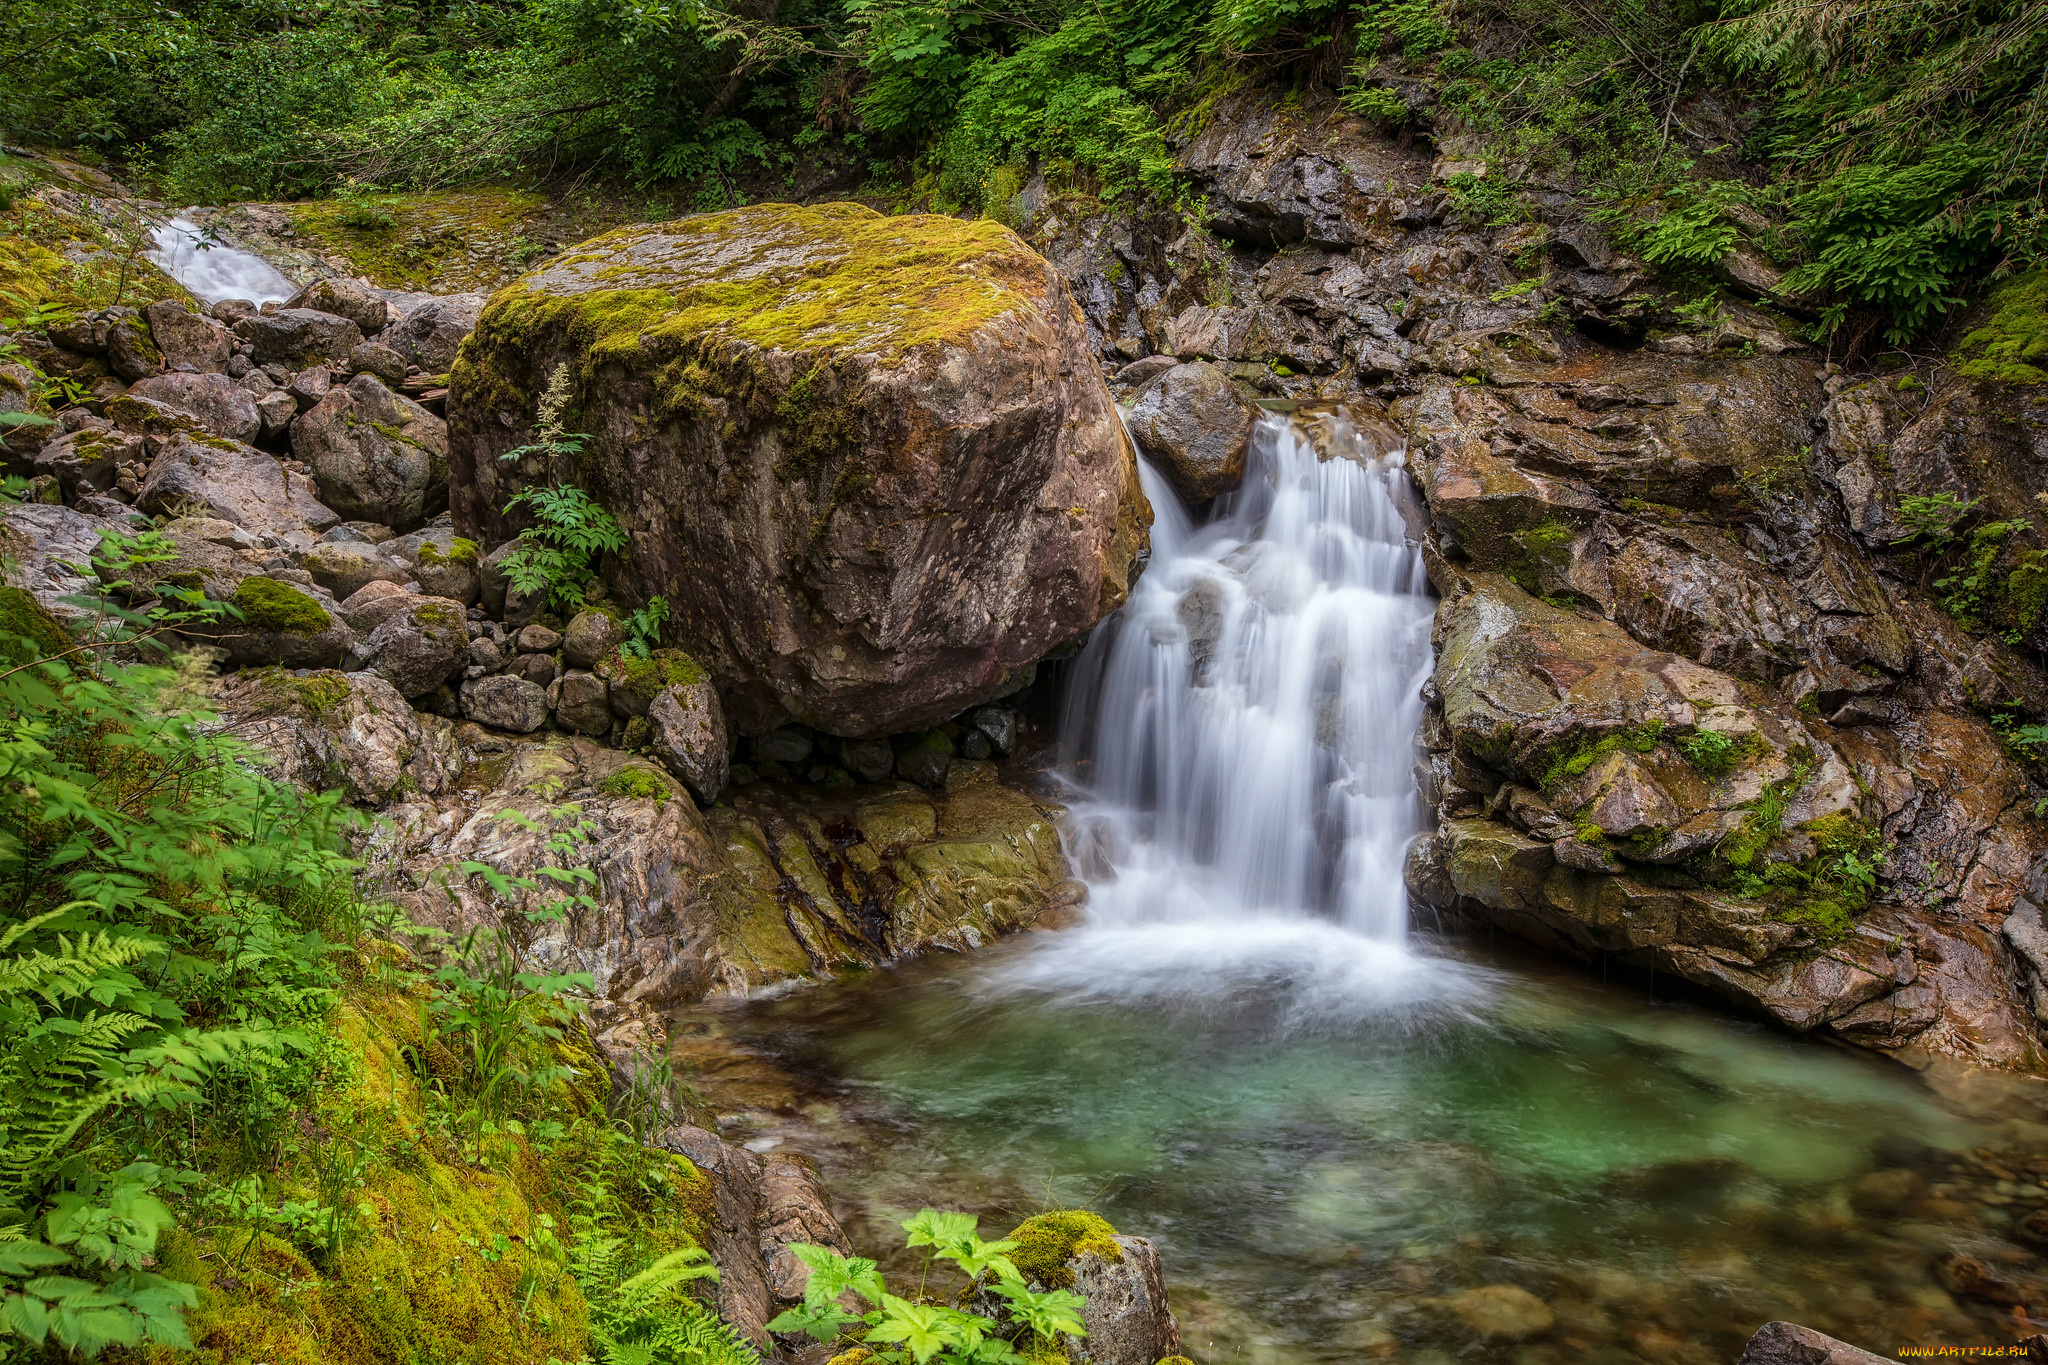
(866, 459)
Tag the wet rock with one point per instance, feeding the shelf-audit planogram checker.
(1194, 426)
(505, 703)
(999, 725)
(429, 335)
(792, 1210)
(689, 737)
(345, 298)
(298, 337)
(787, 745)
(581, 702)
(188, 344)
(1505, 1312)
(1785, 1343)
(378, 456)
(590, 636)
(870, 760)
(1969, 1278)
(889, 610)
(233, 483)
(420, 646)
(1118, 1278)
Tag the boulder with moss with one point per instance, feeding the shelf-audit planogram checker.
(295, 625)
(347, 732)
(868, 460)
(216, 402)
(1119, 1279)
(420, 646)
(686, 731)
(378, 456)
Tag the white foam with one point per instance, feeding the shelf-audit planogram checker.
(216, 272)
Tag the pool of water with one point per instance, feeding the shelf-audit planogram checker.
(1483, 1158)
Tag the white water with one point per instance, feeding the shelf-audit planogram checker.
(215, 273)
(1240, 742)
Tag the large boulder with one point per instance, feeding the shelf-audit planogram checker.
(233, 483)
(377, 456)
(188, 343)
(297, 337)
(688, 736)
(219, 404)
(345, 298)
(294, 625)
(868, 461)
(47, 549)
(347, 731)
(429, 335)
(420, 646)
(1193, 424)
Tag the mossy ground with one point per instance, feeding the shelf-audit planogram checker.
(269, 605)
(55, 257)
(2012, 345)
(27, 629)
(458, 1247)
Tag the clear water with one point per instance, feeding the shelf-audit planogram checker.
(215, 272)
(1332, 1130)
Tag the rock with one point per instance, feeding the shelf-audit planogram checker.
(298, 337)
(792, 1210)
(376, 359)
(420, 646)
(1969, 1278)
(689, 736)
(1139, 373)
(275, 411)
(870, 760)
(188, 344)
(449, 569)
(350, 732)
(539, 639)
(430, 334)
(284, 624)
(582, 703)
(346, 298)
(46, 550)
(86, 461)
(999, 725)
(344, 569)
(823, 503)
(926, 760)
(1785, 1343)
(375, 603)
(377, 456)
(1504, 1312)
(1192, 424)
(231, 311)
(505, 703)
(235, 484)
(590, 636)
(1119, 1279)
(131, 354)
(535, 668)
(787, 745)
(308, 387)
(220, 405)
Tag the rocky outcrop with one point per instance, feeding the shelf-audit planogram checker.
(1786, 1343)
(865, 459)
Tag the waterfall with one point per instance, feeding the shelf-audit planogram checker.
(1239, 740)
(214, 272)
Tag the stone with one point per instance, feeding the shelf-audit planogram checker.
(292, 625)
(188, 344)
(86, 461)
(235, 484)
(1000, 725)
(429, 335)
(484, 653)
(46, 550)
(298, 337)
(374, 603)
(870, 760)
(505, 703)
(926, 760)
(377, 359)
(590, 636)
(346, 298)
(886, 391)
(539, 639)
(420, 646)
(309, 386)
(582, 702)
(1139, 373)
(131, 354)
(535, 668)
(275, 411)
(1196, 429)
(787, 745)
(344, 568)
(231, 311)
(1505, 1312)
(1786, 1343)
(218, 403)
(377, 455)
(448, 568)
(689, 736)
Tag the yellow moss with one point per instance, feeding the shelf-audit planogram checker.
(27, 630)
(1051, 1241)
(440, 242)
(52, 255)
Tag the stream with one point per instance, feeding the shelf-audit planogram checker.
(1349, 1140)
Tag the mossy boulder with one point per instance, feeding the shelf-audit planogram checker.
(282, 623)
(27, 629)
(1119, 1279)
(377, 456)
(868, 460)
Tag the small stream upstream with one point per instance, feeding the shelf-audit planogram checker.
(1352, 1143)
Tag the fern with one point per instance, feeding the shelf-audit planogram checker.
(556, 554)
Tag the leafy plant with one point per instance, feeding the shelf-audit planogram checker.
(931, 1331)
(643, 628)
(555, 555)
(1931, 521)
(644, 1320)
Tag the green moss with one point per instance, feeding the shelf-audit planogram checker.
(320, 693)
(1049, 1241)
(814, 423)
(1570, 761)
(1715, 754)
(459, 551)
(438, 242)
(636, 783)
(27, 629)
(441, 615)
(268, 605)
(2012, 346)
(661, 669)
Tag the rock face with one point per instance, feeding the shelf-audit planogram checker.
(1192, 423)
(867, 460)
(376, 455)
(233, 483)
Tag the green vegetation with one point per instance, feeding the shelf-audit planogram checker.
(268, 605)
(637, 784)
(925, 1329)
(555, 555)
(1991, 584)
(1715, 753)
(460, 551)
(2012, 345)
(1569, 761)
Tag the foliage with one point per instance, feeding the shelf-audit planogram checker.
(643, 1320)
(555, 554)
(1931, 522)
(930, 1331)
(1716, 753)
(2012, 344)
(643, 628)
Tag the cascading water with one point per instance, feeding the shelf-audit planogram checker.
(214, 272)
(1240, 741)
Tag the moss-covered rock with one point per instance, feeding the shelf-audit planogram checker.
(270, 606)
(27, 629)
(1049, 1242)
(867, 460)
